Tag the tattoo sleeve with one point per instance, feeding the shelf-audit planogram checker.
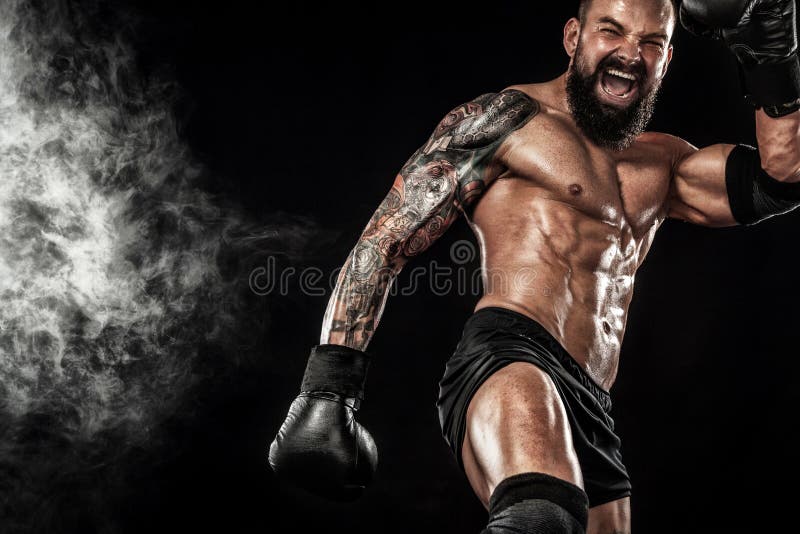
(444, 177)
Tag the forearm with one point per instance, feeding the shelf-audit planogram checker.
(779, 145)
(357, 302)
(414, 213)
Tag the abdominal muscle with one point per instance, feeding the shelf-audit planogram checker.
(566, 269)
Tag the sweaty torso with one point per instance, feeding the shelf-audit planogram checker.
(564, 228)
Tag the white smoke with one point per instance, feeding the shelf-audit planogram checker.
(106, 246)
(119, 276)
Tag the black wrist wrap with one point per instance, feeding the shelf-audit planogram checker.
(753, 194)
(337, 369)
(775, 87)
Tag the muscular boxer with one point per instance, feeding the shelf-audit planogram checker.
(560, 182)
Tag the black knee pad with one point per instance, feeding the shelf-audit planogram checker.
(535, 503)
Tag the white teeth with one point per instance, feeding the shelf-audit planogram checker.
(621, 74)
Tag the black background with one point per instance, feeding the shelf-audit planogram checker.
(306, 111)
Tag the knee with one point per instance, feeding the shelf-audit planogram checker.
(536, 503)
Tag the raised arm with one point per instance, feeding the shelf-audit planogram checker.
(443, 178)
(725, 184)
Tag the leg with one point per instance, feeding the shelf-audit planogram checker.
(517, 432)
(516, 424)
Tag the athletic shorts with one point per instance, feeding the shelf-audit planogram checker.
(495, 337)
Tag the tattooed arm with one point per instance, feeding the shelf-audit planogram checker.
(443, 178)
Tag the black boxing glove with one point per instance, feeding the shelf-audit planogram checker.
(763, 36)
(320, 446)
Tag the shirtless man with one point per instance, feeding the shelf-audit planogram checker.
(558, 181)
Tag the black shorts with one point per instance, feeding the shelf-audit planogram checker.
(495, 337)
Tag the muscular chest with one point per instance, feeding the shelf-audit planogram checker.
(624, 190)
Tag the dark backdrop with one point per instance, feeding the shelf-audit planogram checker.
(306, 114)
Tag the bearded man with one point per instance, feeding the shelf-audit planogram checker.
(557, 178)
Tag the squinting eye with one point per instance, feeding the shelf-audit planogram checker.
(609, 30)
(654, 43)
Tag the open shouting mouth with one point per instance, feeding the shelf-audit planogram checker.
(619, 86)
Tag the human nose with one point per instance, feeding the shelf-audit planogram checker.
(629, 50)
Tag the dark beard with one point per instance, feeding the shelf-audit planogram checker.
(606, 125)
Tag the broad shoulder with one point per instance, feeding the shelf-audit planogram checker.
(510, 104)
(487, 119)
(670, 146)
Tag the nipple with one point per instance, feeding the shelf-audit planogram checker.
(575, 189)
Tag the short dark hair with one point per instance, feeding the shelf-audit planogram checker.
(584, 5)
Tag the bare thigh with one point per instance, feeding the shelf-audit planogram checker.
(516, 423)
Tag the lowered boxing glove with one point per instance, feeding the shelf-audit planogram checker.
(320, 446)
(763, 36)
